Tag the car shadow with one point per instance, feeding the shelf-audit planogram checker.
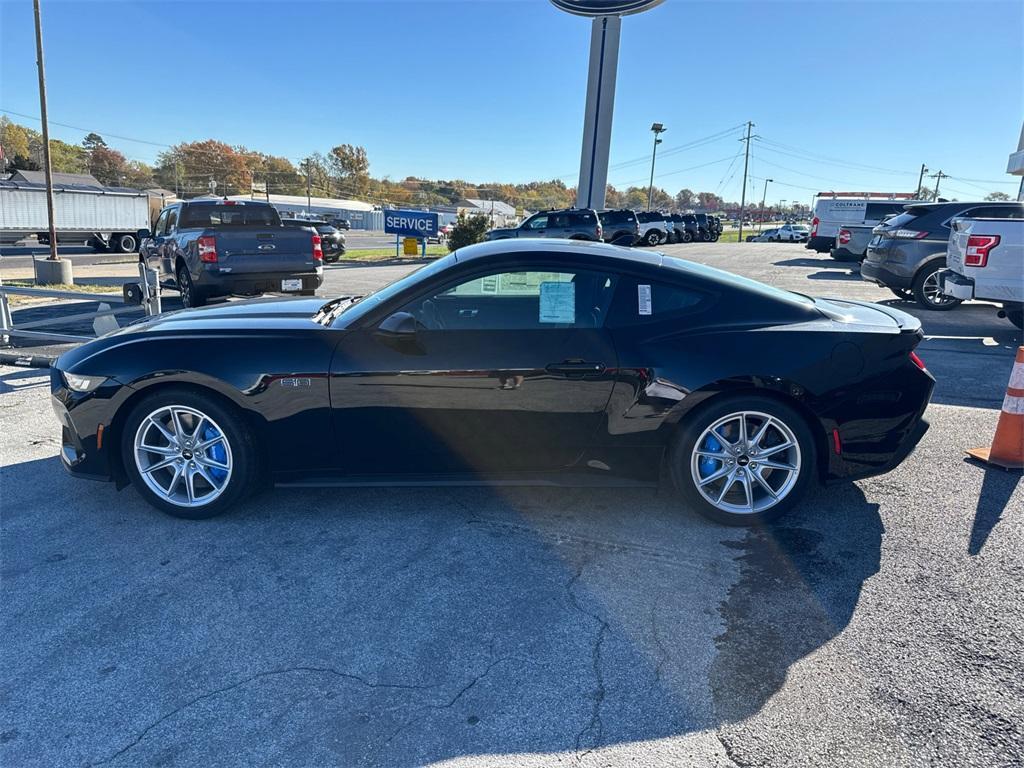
(15, 379)
(997, 487)
(401, 627)
(848, 275)
(812, 262)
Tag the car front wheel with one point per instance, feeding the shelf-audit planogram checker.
(652, 238)
(743, 459)
(188, 454)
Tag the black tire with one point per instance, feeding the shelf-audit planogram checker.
(125, 243)
(652, 238)
(190, 295)
(1015, 316)
(902, 293)
(923, 285)
(243, 454)
(705, 237)
(694, 425)
(687, 237)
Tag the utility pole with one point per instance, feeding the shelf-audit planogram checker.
(47, 168)
(760, 216)
(920, 179)
(658, 128)
(746, 165)
(939, 176)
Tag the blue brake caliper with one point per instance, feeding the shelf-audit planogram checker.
(707, 464)
(217, 453)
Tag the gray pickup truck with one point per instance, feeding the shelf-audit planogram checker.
(213, 247)
(852, 242)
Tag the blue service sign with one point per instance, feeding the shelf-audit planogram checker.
(604, 7)
(410, 223)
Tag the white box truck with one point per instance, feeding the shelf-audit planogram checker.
(104, 218)
(832, 210)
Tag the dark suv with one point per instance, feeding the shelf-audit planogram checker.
(621, 227)
(332, 241)
(907, 252)
(570, 223)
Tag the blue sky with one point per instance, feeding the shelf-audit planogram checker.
(494, 91)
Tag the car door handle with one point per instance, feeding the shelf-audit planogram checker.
(575, 368)
(468, 312)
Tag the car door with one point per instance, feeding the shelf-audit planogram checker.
(509, 369)
(534, 226)
(167, 247)
(559, 225)
(149, 248)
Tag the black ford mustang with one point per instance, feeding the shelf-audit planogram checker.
(518, 361)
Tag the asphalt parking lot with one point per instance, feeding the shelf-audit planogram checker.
(879, 624)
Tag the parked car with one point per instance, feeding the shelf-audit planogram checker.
(985, 260)
(907, 252)
(768, 236)
(504, 362)
(208, 248)
(852, 242)
(833, 212)
(332, 240)
(792, 233)
(715, 224)
(620, 227)
(678, 229)
(704, 228)
(691, 226)
(653, 228)
(571, 223)
(341, 223)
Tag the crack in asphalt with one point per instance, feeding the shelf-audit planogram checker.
(310, 670)
(595, 724)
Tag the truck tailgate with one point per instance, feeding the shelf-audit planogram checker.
(246, 250)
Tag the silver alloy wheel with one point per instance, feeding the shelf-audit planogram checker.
(183, 456)
(932, 289)
(746, 462)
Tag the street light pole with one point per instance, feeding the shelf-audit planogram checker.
(658, 128)
(760, 217)
(47, 167)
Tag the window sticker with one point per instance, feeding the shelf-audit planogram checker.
(558, 302)
(643, 299)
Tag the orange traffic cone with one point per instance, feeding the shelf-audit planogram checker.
(1008, 445)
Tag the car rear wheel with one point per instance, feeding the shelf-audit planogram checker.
(188, 454)
(745, 459)
(902, 293)
(687, 237)
(928, 289)
(190, 295)
(652, 238)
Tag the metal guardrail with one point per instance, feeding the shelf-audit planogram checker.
(145, 293)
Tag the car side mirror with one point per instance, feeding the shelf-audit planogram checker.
(143, 234)
(399, 325)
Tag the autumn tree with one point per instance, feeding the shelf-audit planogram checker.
(109, 166)
(685, 198)
(349, 168)
(709, 201)
(192, 165)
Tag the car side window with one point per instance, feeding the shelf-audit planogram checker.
(537, 222)
(158, 228)
(639, 301)
(172, 220)
(559, 220)
(994, 212)
(532, 299)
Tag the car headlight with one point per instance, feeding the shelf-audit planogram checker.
(82, 383)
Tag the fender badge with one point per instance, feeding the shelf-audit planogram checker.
(295, 382)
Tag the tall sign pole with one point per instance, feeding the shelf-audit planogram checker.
(605, 30)
(47, 168)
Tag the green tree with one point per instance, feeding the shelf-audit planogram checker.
(68, 158)
(468, 230)
(18, 142)
(93, 141)
(685, 198)
(997, 196)
(349, 169)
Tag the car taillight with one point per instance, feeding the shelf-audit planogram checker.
(909, 234)
(318, 251)
(978, 247)
(844, 236)
(207, 249)
(918, 361)
(814, 226)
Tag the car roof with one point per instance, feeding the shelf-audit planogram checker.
(555, 246)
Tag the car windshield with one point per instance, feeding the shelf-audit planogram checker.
(368, 302)
(228, 215)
